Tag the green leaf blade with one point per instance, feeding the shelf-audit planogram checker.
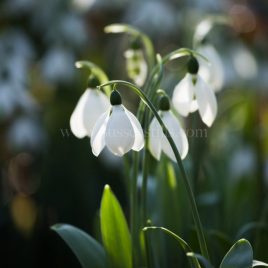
(114, 230)
(88, 251)
(239, 256)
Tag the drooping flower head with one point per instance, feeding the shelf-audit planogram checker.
(135, 63)
(118, 129)
(193, 93)
(91, 105)
(158, 141)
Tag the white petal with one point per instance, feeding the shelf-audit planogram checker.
(76, 120)
(139, 138)
(155, 137)
(183, 95)
(97, 104)
(119, 136)
(177, 134)
(97, 140)
(213, 71)
(207, 103)
(90, 106)
(194, 106)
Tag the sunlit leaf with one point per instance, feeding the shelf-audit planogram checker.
(259, 263)
(239, 256)
(88, 251)
(114, 231)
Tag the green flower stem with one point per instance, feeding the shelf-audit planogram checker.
(145, 172)
(154, 85)
(125, 28)
(197, 221)
(95, 70)
(133, 209)
(158, 68)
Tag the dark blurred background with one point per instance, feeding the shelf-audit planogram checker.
(49, 176)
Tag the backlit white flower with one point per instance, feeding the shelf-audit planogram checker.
(213, 71)
(91, 105)
(193, 93)
(118, 129)
(158, 141)
(136, 66)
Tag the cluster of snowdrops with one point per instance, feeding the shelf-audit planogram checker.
(101, 116)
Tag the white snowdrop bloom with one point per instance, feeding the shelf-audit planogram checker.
(91, 105)
(158, 141)
(137, 68)
(193, 93)
(118, 129)
(213, 71)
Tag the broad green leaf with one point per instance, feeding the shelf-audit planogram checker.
(114, 231)
(259, 263)
(88, 251)
(239, 256)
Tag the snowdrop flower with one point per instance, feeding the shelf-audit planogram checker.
(213, 71)
(193, 93)
(118, 129)
(158, 141)
(136, 65)
(91, 105)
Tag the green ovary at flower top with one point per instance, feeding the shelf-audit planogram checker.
(118, 129)
(193, 93)
(91, 105)
(157, 140)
